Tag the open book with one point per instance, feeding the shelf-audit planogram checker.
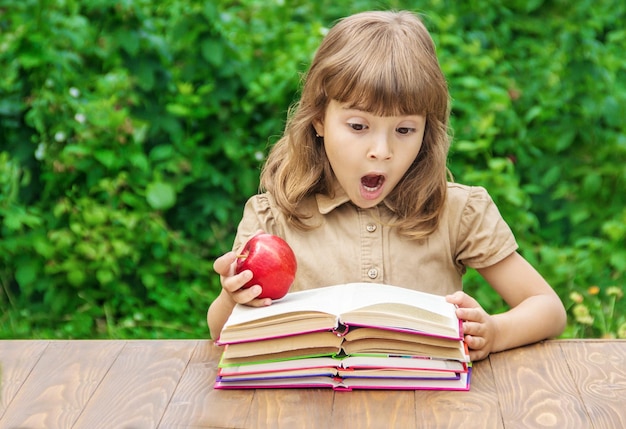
(342, 307)
(352, 336)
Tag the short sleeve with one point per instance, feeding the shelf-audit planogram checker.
(258, 214)
(484, 238)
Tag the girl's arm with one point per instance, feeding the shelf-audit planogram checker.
(536, 310)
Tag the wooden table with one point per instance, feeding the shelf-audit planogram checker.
(168, 384)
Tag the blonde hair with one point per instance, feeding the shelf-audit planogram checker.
(384, 63)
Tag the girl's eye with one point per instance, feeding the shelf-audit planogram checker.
(357, 127)
(405, 130)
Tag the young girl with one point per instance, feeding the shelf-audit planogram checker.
(358, 186)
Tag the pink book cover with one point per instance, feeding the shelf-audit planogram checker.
(354, 362)
(347, 384)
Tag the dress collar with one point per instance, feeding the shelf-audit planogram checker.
(327, 204)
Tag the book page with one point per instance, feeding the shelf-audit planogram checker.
(340, 299)
(359, 295)
(323, 300)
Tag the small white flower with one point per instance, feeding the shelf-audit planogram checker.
(59, 136)
(74, 92)
(80, 118)
(258, 155)
(40, 153)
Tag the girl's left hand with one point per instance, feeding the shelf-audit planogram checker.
(480, 329)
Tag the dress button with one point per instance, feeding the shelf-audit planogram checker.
(372, 273)
(371, 227)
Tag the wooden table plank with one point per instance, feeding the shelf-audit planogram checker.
(291, 408)
(60, 384)
(374, 409)
(462, 409)
(196, 404)
(536, 389)
(138, 386)
(598, 369)
(17, 359)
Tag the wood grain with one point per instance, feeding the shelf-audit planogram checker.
(60, 384)
(138, 386)
(169, 384)
(17, 359)
(196, 404)
(374, 409)
(478, 407)
(291, 408)
(536, 390)
(598, 369)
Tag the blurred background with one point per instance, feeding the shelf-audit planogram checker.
(133, 131)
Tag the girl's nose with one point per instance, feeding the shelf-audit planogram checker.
(380, 147)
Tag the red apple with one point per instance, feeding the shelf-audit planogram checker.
(272, 262)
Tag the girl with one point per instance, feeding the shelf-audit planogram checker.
(358, 186)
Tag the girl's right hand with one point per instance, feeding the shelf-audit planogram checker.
(232, 283)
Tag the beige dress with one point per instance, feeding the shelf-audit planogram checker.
(357, 245)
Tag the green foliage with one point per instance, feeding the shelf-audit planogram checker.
(132, 132)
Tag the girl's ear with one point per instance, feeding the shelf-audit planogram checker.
(319, 127)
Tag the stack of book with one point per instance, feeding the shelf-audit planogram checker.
(352, 336)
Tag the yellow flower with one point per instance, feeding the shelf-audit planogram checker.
(581, 313)
(593, 290)
(616, 291)
(576, 297)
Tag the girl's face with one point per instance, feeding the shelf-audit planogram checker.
(369, 154)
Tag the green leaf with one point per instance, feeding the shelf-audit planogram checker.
(178, 109)
(213, 51)
(107, 157)
(160, 195)
(26, 272)
(145, 75)
(76, 277)
(104, 276)
(140, 161)
(161, 153)
(128, 40)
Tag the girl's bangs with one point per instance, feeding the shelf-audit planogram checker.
(385, 87)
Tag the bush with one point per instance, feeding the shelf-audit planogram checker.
(133, 132)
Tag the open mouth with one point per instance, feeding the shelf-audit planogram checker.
(372, 182)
